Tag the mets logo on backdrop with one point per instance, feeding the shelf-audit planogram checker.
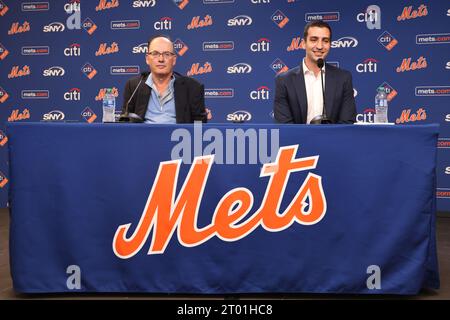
(278, 66)
(279, 18)
(88, 70)
(3, 139)
(296, 44)
(3, 95)
(196, 22)
(181, 3)
(88, 115)
(16, 72)
(180, 47)
(105, 4)
(16, 115)
(166, 211)
(3, 8)
(407, 116)
(406, 65)
(387, 40)
(3, 52)
(3, 180)
(102, 92)
(196, 69)
(104, 49)
(409, 13)
(89, 26)
(17, 28)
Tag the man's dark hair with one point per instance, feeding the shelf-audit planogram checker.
(316, 23)
(157, 36)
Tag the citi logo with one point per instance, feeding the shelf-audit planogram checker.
(260, 1)
(89, 26)
(387, 40)
(54, 72)
(240, 20)
(88, 115)
(73, 94)
(3, 52)
(367, 116)
(181, 3)
(180, 47)
(142, 48)
(144, 3)
(3, 138)
(406, 116)
(164, 23)
(344, 42)
(372, 17)
(16, 28)
(74, 50)
(262, 93)
(280, 19)
(197, 23)
(54, 115)
(3, 8)
(105, 4)
(368, 65)
(16, 72)
(406, 65)
(103, 49)
(196, 69)
(3, 95)
(54, 27)
(262, 45)
(239, 116)
(296, 44)
(240, 68)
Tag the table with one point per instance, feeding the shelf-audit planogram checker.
(298, 209)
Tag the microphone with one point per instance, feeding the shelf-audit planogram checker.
(129, 116)
(322, 118)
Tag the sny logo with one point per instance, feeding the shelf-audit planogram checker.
(308, 206)
(279, 18)
(387, 40)
(196, 69)
(239, 116)
(54, 115)
(88, 115)
(54, 27)
(240, 21)
(344, 42)
(240, 68)
(144, 3)
(278, 66)
(88, 70)
(55, 71)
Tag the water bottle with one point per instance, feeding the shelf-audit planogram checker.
(381, 106)
(109, 106)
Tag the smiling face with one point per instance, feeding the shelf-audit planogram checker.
(317, 45)
(159, 64)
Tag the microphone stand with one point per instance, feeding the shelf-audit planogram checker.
(321, 119)
(129, 116)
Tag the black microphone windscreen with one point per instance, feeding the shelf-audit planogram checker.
(145, 73)
(320, 63)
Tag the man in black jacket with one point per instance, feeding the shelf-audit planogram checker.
(162, 95)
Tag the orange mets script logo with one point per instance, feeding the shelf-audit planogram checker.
(15, 28)
(17, 116)
(296, 44)
(197, 23)
(409, 13)
(103, 49)
(15, 72)
(406, 65)
(105, 4)
(164, 214)
(101, 93)
(196, 69)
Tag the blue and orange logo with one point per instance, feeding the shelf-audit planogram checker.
(3, 8)
(180, 47)
(3, 139)
(88, 115)
(3, 52)
(88, 70)
(181, 3)
(279, 18)
(278, 66)
(387, 40)
(89, 26)
(3, 180)
(3, 95)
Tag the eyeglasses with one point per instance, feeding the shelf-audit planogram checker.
(157, 54)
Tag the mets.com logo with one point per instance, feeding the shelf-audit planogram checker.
(181, 211)
(432, 91)
(219, 93)
(324, 16)
(433, 38)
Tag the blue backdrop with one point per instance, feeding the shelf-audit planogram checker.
(55, 65)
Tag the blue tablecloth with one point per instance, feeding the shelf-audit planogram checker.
(109, 208)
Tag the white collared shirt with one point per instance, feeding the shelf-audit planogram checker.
(313, 92)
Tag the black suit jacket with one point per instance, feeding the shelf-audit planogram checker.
(189, 98)
(290, 103)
